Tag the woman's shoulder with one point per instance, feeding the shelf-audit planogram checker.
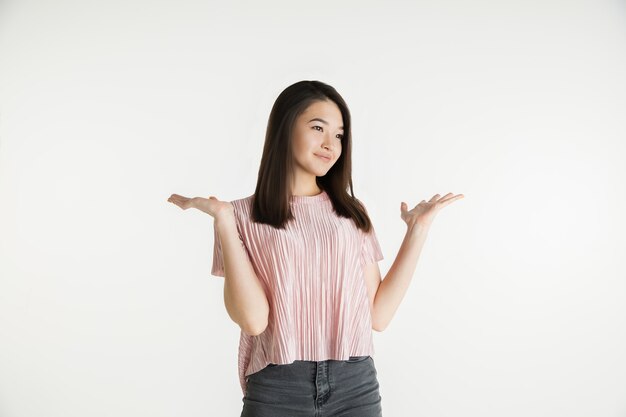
(242, 200)
(242, 205)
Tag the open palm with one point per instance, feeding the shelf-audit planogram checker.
(210, 205)
(424, 213)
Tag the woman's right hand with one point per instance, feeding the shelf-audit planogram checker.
(211, 205)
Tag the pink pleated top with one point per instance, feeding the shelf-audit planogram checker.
(312, 274)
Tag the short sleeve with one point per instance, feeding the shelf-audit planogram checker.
(217, 268)
(370, 251)
(218, 260)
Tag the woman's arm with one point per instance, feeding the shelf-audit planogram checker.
(386, 295)
(244, 297)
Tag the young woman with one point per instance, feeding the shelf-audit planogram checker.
(299, 261)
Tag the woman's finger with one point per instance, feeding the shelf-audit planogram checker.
(451, 199)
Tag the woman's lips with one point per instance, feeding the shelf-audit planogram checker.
(323, 157)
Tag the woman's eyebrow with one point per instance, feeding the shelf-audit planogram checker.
(321, 120)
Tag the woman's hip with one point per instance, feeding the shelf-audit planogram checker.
(305, 388)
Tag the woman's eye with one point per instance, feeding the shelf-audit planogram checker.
(321, 129)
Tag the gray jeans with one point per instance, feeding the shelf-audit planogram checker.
(327, 388)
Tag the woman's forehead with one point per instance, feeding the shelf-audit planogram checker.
(326, 112)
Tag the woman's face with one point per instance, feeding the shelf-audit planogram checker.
(318, 133)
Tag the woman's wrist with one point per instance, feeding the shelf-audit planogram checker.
(418, 228)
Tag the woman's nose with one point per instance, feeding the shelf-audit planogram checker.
(328, 142)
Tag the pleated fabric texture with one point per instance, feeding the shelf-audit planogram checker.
(312, 274)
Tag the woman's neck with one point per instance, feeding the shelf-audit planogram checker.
(306, 190)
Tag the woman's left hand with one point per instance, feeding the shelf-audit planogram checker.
(424, 213)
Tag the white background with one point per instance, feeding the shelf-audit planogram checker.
(516, 309)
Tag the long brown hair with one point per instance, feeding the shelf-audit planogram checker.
(272, 193)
